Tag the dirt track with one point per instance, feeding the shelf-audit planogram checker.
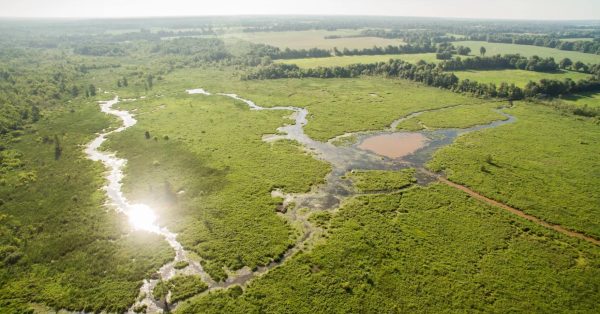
(515, 211)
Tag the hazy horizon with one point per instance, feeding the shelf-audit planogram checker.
(462, 9)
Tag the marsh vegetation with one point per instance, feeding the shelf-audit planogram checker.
(288, 179)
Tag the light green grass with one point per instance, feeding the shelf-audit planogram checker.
(457, 117)
(545, 164)
(528, 51)
(518, 77)
(591, 100)
(426, 250)
(336, 106)
(314, 39)
(346, 60)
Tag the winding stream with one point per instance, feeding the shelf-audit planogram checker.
(141, 217)
(325, 197)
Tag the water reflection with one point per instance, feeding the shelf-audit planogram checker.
(142, 217)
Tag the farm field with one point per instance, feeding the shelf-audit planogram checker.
(346, 60)
(314, 38)
(528, 51)
(518, 77)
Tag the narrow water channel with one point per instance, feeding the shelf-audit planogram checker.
(140, 216)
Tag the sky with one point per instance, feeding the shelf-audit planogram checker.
(496, 9)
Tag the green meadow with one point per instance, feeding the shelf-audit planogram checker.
(519, 77)
(347, 60)
(591, 100)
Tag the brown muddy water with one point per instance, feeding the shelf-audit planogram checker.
(394, 145)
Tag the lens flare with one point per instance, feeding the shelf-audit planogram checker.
(142, 217)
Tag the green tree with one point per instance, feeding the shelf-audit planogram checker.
(57, 148)
(482, 51)
(92, 90)
(35, 113)
(150, 81)
(565, 63)
(74, 91)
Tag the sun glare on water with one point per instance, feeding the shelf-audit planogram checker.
(142, 217)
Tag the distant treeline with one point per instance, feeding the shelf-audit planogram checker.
(584, 46)
(387, 50)
(287, 53)
(433, 75)
(106, 50)
(509, 61)
(409, 36)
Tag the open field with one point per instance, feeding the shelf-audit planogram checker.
(314, 38)
(346, 60)
(533, 165)
(518, 77)
(426, 249)
(591, 100)
(528, 51)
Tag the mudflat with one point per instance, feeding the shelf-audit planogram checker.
(394, 145)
